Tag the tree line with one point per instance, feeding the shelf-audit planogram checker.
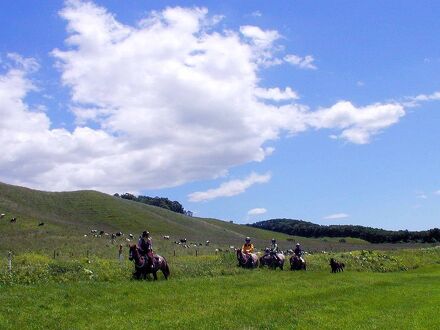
(162, 202)
(373, 235)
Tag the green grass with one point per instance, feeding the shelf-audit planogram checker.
(249, 300)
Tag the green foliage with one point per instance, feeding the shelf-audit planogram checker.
(373, 235)
(33, 268)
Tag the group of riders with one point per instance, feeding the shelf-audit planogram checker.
(145, 248)
(248, 248)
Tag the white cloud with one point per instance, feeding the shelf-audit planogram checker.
(357, 124)
(336, 216)
(276, 94)
(437, 192)
(230, 188)
(158, 104)
(256, 13)
(421, 195)
(257, 211)
(301, 62)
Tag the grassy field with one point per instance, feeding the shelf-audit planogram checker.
(249, 300)
(84, 286)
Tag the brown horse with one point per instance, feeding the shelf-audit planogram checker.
(272, 261)
(247, 260)
(142, 268)
(336, 266)
(297, 263)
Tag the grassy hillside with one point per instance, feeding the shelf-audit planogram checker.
(68, 216)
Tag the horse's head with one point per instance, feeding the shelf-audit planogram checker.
(132, 252)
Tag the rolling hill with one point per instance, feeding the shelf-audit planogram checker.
(68, 216)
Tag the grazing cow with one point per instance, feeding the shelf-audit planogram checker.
(41, 224)
(13, 220)
(207, 243)
(94, 231)
(166, 237)
(113, 236)
(183, 240)
(131, 236)
(2, 215)
(336, 266)
(101, 232)
(119, 233)
(85, 235)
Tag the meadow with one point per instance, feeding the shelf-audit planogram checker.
(62, 277)
(216, 297)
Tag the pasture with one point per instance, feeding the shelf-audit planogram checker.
(259, 299)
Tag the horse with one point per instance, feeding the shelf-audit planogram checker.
(297, 263)
(336, 266)
(247, 260)
(142, 268)
(271, 261)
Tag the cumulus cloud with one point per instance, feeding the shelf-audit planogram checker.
(358, 124)
(336, 216)
(257, 211)
(276, 94)
(169, 100)
(230, 188)
(301, 62)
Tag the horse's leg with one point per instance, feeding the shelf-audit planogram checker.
(155, 275)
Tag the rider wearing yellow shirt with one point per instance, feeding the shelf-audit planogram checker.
(247, 247)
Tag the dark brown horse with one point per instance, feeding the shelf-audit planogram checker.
(247, 260)
(297, 263)
(336, 266)
(272, 261)
(142, 268)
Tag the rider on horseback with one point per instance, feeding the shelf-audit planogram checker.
(298, 252)
(274, 250)
(145, 246)
(247, 249)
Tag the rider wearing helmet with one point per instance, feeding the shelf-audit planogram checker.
(298, 251)
(247, 247)
(274, 250)
(145, 246)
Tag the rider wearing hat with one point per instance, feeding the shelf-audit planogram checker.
(145, 245)
(247, 247)
(298, 251)
(274, 250)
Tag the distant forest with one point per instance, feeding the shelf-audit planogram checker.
(373, 235)
(162, 202)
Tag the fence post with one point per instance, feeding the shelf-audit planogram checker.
(54, 254)
(10, 261)
(174, 252)
(196, 253)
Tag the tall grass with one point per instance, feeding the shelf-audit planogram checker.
(32, 268)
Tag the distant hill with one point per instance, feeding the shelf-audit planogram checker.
(68, 216)
(372, 235)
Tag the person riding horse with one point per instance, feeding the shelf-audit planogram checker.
(298, 252)
(274, 250)
(247, 248)
(145, 246)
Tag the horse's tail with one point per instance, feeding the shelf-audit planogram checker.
(166, 269)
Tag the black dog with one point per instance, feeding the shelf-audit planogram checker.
(336, 266)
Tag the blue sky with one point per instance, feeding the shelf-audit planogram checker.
(242, 110)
